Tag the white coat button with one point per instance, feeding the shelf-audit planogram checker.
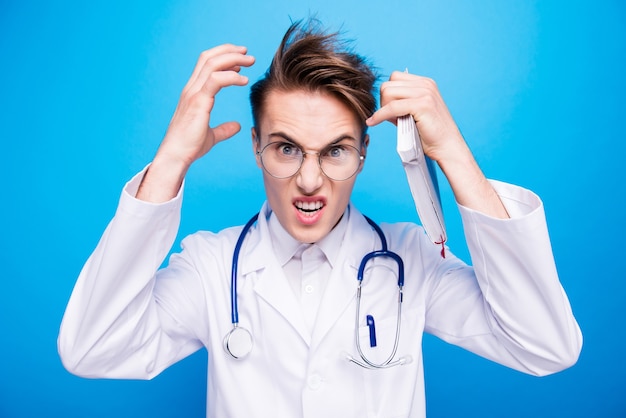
(314, 382)
(309, 288)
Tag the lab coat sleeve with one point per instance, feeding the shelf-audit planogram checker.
(113, 326)
(511, 307)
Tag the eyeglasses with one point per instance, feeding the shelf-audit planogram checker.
(337, 161)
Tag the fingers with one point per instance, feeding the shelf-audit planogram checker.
(400, 86)
(216, 69)
(212, 63)
(405, 94)
(210, 54)
(408, 94)
(392, 111)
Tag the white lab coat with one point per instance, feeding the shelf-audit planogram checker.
(125, 321)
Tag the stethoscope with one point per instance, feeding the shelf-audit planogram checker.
(239, 342)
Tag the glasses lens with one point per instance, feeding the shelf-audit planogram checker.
(340, 161)
(281, 159)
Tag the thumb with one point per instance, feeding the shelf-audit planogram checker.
(225, 131)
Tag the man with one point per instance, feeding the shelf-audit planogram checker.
(296, 269)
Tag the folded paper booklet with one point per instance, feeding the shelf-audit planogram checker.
(420, 172)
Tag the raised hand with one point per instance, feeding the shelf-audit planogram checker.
(408, 94)
(189, 135)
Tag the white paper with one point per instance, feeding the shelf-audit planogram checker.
(423, 186)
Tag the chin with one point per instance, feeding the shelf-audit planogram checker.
(309, 237)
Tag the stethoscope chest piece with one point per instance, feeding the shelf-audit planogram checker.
(238, 342)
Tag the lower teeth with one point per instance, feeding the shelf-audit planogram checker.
(308, 211)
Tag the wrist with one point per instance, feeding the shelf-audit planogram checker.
(455, 155)
(162, 180)
(469, 185)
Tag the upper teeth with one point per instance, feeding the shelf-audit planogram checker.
(309, 205)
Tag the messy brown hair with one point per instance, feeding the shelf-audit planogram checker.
(313, 60)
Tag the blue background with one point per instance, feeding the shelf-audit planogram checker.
(86, 93)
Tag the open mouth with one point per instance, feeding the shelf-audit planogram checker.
(309, 208)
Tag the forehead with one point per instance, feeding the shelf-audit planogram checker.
(313, 119)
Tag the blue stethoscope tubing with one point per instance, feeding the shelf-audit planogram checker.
(239, 342)
(384, 252)
(234, 316)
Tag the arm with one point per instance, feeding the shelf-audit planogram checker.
(510, 307)
(113, 325)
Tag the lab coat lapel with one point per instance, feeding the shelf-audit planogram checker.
(271, 284)
(340, 291)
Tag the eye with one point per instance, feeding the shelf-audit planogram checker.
(286, 149)
(337, 152)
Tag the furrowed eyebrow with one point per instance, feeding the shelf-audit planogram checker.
(286, 137)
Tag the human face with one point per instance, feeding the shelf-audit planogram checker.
(309, 204)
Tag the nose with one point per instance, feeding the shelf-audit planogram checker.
(310, 176)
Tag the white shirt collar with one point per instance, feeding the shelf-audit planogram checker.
(285, 246)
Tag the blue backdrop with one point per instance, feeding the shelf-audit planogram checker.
(86, 93)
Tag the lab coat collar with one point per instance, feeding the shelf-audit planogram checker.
(258, 257)
(258, 253)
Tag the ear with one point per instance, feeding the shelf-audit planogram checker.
(256, 146)
(364, 144)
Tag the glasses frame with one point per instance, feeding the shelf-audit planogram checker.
(259, 153)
